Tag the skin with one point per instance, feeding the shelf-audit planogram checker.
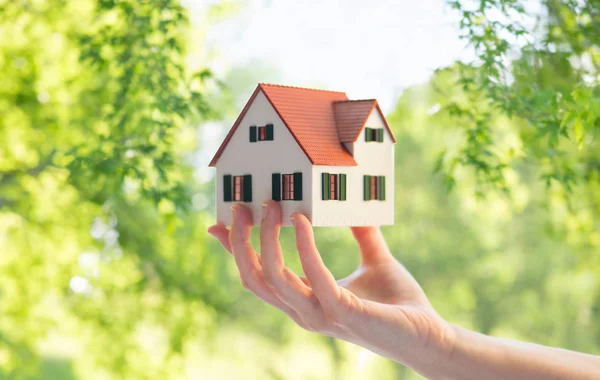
(381, 307)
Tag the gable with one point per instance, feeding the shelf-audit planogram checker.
(375, 120)
(242, 150)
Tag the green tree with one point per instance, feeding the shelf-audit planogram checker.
(98, 110)
(538, 69)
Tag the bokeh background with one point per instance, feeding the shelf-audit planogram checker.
(111, 109)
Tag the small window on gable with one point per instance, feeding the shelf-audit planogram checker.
(261, 133)
(374, 134)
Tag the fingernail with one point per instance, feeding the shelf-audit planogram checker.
(293, 219)
(265, 210)
(233, 211)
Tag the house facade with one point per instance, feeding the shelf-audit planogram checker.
(315, 152)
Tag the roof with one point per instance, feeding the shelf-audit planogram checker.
(350, 117)
(318, 120)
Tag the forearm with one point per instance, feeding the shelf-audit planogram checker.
(476, 356)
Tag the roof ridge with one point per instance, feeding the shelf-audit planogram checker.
(299, 88)
(354, 100)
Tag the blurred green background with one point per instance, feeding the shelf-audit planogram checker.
(106, 271)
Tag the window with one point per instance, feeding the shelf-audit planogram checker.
(261, 133)
(287, 187)
(374, 134)
(237, 188)
(333, 186)
(333, 190)
(374, 188)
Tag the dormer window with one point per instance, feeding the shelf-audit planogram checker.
(261, 133)
(374, 134)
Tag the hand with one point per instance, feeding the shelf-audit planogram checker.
(380, 306)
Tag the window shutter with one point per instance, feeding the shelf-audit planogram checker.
(247, 188)
(367, 134)
(382, 188)
(297, 186)
(380, 135)
(253, 133)
(269, 133)
(227, 188)
(342, 187)
(367, 187)
(325, 186)
(276, 186)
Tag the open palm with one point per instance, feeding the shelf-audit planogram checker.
(380, 306)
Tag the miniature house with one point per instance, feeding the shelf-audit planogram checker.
(315, 152)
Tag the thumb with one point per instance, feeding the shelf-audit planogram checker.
(373, 248)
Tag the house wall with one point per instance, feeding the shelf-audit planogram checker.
(261, 159)
(373, 158)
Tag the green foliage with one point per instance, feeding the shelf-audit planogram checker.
(541, 72)
(97, 103)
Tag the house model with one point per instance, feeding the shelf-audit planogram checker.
(315, 152)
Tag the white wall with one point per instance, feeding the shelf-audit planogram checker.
(261, 159)
(373, 158)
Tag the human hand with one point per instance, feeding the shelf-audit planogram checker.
(380, 306)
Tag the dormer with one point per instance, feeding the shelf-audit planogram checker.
(352, 118)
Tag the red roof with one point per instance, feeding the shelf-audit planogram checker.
(319, 121)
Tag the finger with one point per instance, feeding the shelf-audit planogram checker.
(221, 233)
(284, 283)
(373, 247)
(321, 280)
(305, 281)
(247, 260)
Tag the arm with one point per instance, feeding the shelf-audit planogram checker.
(381, 307)
(477, 356)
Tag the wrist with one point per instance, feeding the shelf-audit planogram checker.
(438, 349)
(463, 358)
